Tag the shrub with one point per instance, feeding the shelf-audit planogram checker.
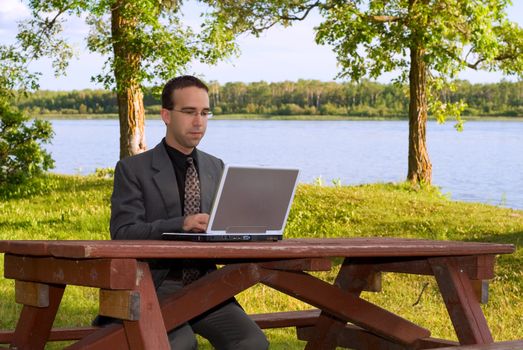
(217, 110)
(21, 154)
(331, 109)
(104, 173)
(154, 109)
(290, 109)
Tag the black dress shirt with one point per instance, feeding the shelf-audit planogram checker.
(179, 162)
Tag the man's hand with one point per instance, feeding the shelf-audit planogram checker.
(196, 223)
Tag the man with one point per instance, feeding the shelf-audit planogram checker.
(170, 189)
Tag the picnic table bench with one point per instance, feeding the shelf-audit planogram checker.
(42, 269)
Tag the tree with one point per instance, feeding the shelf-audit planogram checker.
(21, 156)
(144, 41)
(428, 41)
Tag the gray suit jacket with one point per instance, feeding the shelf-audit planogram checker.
(146, 202)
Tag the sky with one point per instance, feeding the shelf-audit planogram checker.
(278, 54)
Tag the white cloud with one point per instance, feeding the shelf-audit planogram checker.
(11, 11)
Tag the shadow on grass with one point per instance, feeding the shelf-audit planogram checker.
(56, 184)
(26, 224)
(515, 238)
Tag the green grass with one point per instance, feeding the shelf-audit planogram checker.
(76, 207)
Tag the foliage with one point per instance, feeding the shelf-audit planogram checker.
(79, 208)
(104, 173)
(379, 38)
(366, 98)
(373, 37)
(14, 74)
(154, 30)
(142, 41)
(428, 42)
(21, 155)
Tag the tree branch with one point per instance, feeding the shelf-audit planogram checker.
(384, 19)
(307, 11)
(279, 18)
(51, 23)
(502, 57)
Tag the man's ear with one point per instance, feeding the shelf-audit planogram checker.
(166, 115)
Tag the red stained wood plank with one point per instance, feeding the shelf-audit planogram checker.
(4, 246)
(479, 267)
(34, 324)
(184, 305)
(461, 302)
(344, 305)
(110, 337)
(287, 248)
(350, 337)
(102, 273)
(354, 337)
(265, 321)
(506, 345)
(318, 264)
(149, 331)
(29, 247)
(436, 343)
(56, 334)
(198, 297)
(353, 279)
(286, 319)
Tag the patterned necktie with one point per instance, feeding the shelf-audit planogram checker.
(191, 205)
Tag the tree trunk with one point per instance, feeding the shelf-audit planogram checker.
(420, 168)
(126, 71)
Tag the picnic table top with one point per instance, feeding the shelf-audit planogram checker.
(287, 248)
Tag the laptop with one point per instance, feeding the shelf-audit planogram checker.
(252, 204)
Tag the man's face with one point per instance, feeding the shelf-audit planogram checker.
(185, 123)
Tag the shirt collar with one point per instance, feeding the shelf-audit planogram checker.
(178, 158)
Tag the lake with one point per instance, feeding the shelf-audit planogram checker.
(484, 163)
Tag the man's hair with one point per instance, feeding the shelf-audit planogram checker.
(180, 82)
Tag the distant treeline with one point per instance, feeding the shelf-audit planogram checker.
(304, 97)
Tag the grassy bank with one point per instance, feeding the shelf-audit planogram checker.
(150, 116)
(59, 116)
(78, 208)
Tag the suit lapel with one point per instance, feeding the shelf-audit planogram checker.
(165, 180)
(208, 182)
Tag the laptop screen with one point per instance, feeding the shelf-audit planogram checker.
(253, 199)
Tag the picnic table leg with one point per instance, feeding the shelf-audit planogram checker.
(345, 306)
(148, 332)
(227, 281)
(461, 302)
(35, 323)
(353, 279)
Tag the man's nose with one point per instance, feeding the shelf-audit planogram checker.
(197, 119)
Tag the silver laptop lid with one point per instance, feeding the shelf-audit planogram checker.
(253, 200)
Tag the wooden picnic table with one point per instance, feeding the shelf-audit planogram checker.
(42, 269)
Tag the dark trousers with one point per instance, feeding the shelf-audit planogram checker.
(226, 326)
